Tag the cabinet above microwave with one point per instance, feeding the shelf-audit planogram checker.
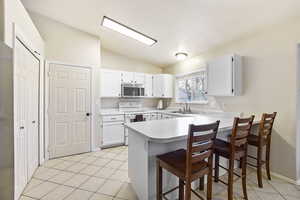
(132, 84)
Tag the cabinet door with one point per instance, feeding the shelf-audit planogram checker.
(163, 86)
(220, 77)
(158, 86)
(148, 85)
(168, 86)
(110, 83)
(139, 78)
(112, 133)
(127, 77)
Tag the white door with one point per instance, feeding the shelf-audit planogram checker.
(69, 110)
(26, 112)
(20, 112)
(110, 83)
(33, 114)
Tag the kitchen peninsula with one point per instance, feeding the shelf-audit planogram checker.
(152, 138)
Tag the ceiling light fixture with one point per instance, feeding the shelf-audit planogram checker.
(125, 30)
(181, 55)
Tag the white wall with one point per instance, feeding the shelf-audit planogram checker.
(66, 44)
(115, 61)
(14, 12)
(2, 20)
(270, 58)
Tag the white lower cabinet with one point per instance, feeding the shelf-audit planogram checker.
(112, 132)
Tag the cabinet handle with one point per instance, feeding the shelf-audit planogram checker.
(22, 127)
(33, 122)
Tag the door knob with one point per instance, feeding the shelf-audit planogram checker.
(88, 114)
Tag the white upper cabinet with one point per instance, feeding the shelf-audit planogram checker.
(224, 76)
(163, 86)
(149, 85)
(127, 77)
(139, 78)
(110, 83)
(133, 77)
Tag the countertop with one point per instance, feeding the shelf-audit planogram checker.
(177, 128)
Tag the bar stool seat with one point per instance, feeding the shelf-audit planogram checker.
(254, 140)
(175, 162)
(222, 148)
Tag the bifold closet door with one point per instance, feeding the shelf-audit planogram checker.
(26, 104)
(33, 113)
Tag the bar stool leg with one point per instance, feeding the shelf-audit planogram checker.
(209, 180)
(187, 192)
(217, 161)
(230, 179)
(181, 190)
(268, 160)
(244, 176)
(201, 183)
(259, 167)
(158, 181)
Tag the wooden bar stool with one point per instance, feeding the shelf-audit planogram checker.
(236, 149)
(139, 118)
(260, 141)
(189, 165)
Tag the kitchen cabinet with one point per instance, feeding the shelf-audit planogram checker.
(112, 132)
(110, 83)
(139, 78)
(163, 86)
(224, 76)
(127, 77)
(133, 77)
(149, 85)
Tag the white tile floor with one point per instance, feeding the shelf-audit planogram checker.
(103, 176)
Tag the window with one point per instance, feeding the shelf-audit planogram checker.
(191, 88)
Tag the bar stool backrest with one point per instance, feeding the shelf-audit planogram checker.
(200, 144)
(241, 130)
(266, 125)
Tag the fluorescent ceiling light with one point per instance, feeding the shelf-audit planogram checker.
(125, 30)
(181, 55)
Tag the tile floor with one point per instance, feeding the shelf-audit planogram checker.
(103, 176)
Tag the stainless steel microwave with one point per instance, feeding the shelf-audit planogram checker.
(133, 90)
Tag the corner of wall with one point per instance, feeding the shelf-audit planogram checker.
(2, 20)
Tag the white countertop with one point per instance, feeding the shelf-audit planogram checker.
(104, 112)
(167, 130)
(177, 128)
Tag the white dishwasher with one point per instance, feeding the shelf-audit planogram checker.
(112, 130)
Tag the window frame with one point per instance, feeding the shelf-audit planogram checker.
(181, 76)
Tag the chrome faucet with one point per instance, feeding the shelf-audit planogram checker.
(187, 108)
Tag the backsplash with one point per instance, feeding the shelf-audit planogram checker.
(114, 102)
(212, 104)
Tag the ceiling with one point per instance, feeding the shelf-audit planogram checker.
(179, 25)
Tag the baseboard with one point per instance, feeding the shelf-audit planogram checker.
(284, 178)
(292, 181)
